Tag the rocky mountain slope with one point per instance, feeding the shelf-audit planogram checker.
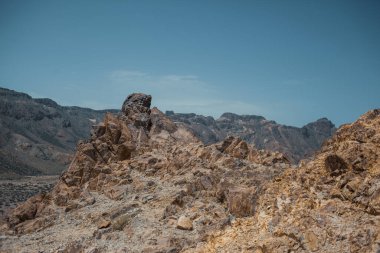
(38, 136)
(296, 143)
(142, 183)
(330, 204)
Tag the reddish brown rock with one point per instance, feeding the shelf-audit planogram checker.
(140, 172)
(329, 204)
(241, 201)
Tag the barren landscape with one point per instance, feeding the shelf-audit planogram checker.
(189, 126)
(12, 192)
(141, 183)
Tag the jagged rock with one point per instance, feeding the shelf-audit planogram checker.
(235, 197)
(27, 211)
(152, 173)
(329, 204)
(137, 103)
(137, 108)
(238, 148)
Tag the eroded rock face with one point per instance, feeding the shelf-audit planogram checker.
(335, 165)
(154, 187)
(137, 103)
(137, 108)
(330, 204)
(136, 176)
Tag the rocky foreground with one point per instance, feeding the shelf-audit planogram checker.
(331, 204)
(144, 184)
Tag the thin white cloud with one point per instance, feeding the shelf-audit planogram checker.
(180, 78)
(181, 93)
(209, 106)
(126, 75)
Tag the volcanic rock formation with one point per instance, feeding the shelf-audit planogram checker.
(38, 136)
(143, 184)
(330, 204)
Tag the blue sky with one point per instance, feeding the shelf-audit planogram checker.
(290, 61)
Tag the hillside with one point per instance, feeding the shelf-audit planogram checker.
(296, 143)
(142, 183)
(38, 136)
(134, 178)
(330, 204)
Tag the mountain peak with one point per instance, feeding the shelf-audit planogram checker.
(233, 116)
(129, 182)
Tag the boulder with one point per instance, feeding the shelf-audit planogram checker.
(136, 102)
(184, 223)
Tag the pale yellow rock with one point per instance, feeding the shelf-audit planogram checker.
(311, 241)
(184, 223)
(103, 223)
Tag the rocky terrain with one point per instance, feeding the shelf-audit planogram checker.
(38, 136)
(296, 143)
(15, 191)
(330, 204)
(142, 183)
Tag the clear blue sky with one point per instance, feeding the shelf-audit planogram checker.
(290, 61)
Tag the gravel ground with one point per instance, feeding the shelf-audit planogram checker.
(15, 191)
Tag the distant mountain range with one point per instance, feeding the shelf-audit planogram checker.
(38, 136)
(142, 183)
(296, 143)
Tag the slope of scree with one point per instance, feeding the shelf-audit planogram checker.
(143, 184)
(330, 204)
(38, 136)
(296, 143)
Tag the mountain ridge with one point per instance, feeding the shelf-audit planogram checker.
(296, 143)
(142, 183)
(38, 136)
